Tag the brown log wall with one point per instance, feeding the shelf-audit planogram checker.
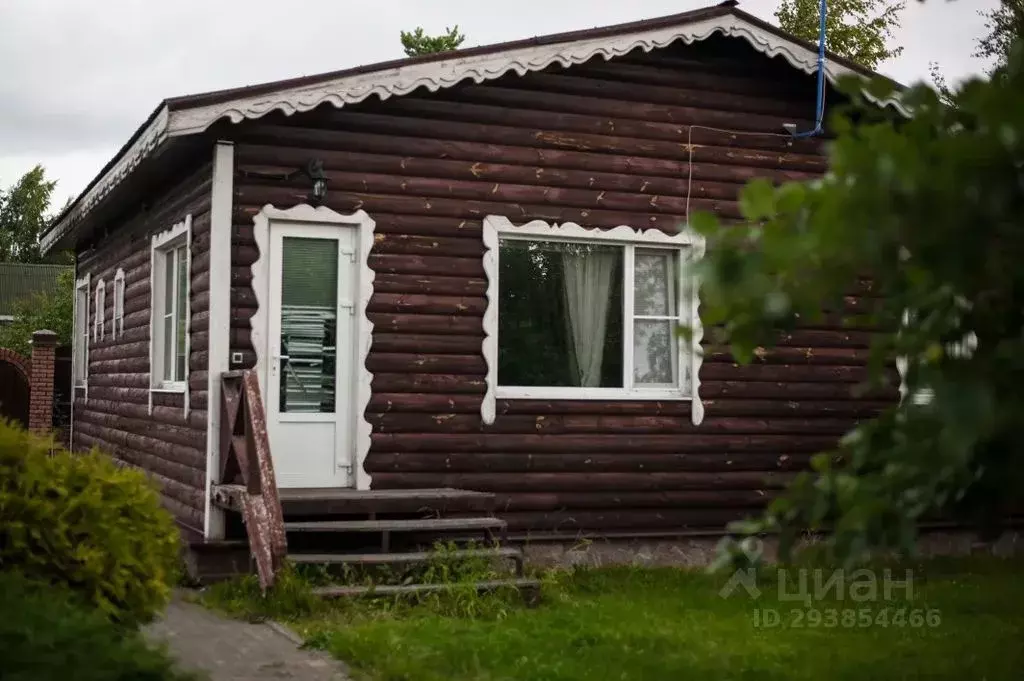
(601, 144)
(167, 444)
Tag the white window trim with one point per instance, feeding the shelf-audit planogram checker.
(100, 303)
(160, 242)
(117, 322)
(496, 226)
(81, 334)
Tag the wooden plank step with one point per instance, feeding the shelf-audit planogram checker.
(340, 501)
(395, 558)
(522, 583)
(419, 525)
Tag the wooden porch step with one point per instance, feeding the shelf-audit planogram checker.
(418, 525)
(340, 501)
(529, 587)
(399, 558)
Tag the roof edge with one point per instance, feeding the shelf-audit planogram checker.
(190, 115)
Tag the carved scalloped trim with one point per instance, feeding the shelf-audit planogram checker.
(495, 225)
(490, 344)
(434, 76)
(260, 321)
(438, 75)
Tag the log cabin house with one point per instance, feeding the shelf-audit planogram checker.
(457, 276)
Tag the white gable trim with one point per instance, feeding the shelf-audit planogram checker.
(438, 75)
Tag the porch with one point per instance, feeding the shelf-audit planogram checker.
(337, 527)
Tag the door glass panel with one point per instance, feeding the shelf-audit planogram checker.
(309, 324)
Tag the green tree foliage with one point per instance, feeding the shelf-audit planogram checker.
(930, 211)
(54, 311)
(1004, 25)
(46, 635)
(82, 521)
(856, 29)
(23, 219)
(417, 43)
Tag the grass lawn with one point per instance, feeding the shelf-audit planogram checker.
(660, 624)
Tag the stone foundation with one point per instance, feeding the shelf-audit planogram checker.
(700, 551)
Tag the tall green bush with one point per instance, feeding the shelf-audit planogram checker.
(84, 521)
(46, 636)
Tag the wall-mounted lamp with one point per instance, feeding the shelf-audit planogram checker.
(315, 172)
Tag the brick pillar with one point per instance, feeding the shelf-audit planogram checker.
(40, 411)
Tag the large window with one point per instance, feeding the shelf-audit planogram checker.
(170, 281)
(590, 314)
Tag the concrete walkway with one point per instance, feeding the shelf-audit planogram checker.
(230, 650)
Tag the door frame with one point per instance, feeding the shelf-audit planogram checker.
(359, 437)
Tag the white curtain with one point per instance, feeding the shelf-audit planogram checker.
(588, 283)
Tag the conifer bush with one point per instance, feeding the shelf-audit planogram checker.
(83, 521)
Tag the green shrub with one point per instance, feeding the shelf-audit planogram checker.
(45, 635)
(84, 521)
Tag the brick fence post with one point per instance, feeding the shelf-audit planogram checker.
(40, 411)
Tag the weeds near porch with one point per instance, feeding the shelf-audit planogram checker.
(293, 597)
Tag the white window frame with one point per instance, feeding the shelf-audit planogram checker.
(162, 244)
(117, 320)
(98, 319)
(80, 358)
(498, 227)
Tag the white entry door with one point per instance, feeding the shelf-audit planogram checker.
(311, 353)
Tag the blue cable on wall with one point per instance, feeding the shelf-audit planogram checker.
(819, 117)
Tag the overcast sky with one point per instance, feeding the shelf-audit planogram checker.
(77, 78)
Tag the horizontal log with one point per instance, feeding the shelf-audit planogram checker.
(716, 443)
(426, 323)
(411, 244)
(623, 462)
(152, 430)
(199, 302)
(198, 361)
(119, 395)
(604, 501)
(402, 166)
(132, 380)
(427, 383)
(827, 338)
(256, 196)
(424, 403)
(584, 482)
(467, 365)
(698, 76)
(588, 424)
(119, 348)
(200, 262)
(607, 109)
(422, 226)
(787, 390)
(128, 365)
(574, 522)
(416, 303)
(427, 265)
(543, 137)
(795, 356)
(719, 371)
(186, 475)
(489, 152)
(399, 190)
(424, 343)
(171, 415)
(200, 282)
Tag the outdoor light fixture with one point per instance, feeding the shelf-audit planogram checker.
(315, 171)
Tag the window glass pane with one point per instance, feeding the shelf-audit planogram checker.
(181, 311)
(655, 283)
(560, 314)
(168, 349)
(655, 352)
(169, 269)
(309, 324)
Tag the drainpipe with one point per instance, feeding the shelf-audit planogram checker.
(819, 117)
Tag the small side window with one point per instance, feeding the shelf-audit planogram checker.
(98, 318)
(118, 319)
